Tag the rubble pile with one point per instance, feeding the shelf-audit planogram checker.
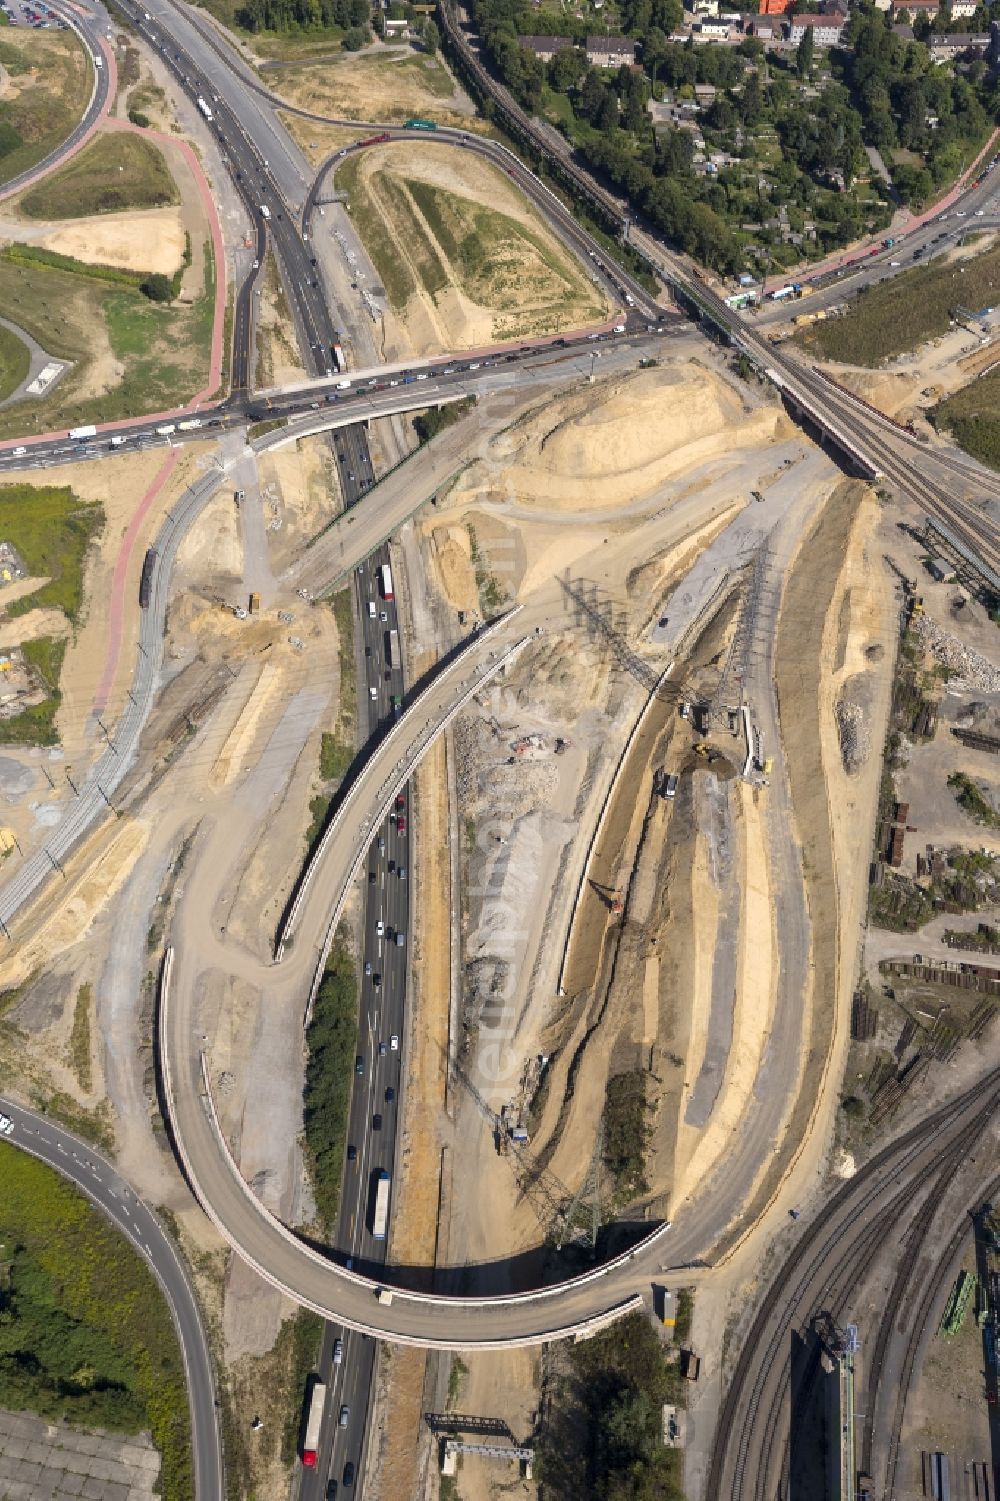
(972, 671)
(855, 741)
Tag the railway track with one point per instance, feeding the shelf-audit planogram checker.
(824, 1246)
(929, 1302)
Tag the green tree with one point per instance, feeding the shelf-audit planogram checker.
(157, 288)
(355, 38)
(430, 36)
(804, 53)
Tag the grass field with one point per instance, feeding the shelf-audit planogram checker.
(115, 171)
(388, 85)
(52, 531)
(85, 1335)
(441, 239)
(152, 356)
(50, 80)
(36, 725)
(15, 361)
(900, 314)
(972, 416)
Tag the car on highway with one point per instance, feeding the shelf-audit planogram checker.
(401, 872)
(381, 844)
(381, 1050)
(390, 1095)
(359, 1066)
(368, 966)
(376, 1123)
(376, 980)
(400, 802)
(348, 1474)
(338, 1352)
(394, 1042)
(6, 1126)
(345, 1416)
(380, 929)
(352, 1152)
(331, 1490)
(401, 824)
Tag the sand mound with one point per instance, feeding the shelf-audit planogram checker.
(611, 445)
(150, 240)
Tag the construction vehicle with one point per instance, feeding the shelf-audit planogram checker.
(254, 603)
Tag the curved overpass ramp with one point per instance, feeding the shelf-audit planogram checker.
(308, 1276)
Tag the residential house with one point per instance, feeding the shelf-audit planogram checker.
(826, 30)
(961, 8)
(544, 47)
(908, 10)
(712, 28)
(610, 51)
(943, 49)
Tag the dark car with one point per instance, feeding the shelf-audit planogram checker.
(348, 1473)
(359, 1065)
(352, 1152)
(331, 1491)
(390, 1095)
(371, 878)
(376, 979)
(376, 1123)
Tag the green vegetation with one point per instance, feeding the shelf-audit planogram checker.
(457, 1374)
(291, 28)
(115, 171)
(37, 725)
(626, 1133)
(52, 530)
(331, 1042)
(899, 314)
(971, 800)
(601, 1435)
(376, 237)
(428, 424)
(85, 1335)
(53, 77)
(683, 1316)
(336, 749)
(491, 593)
(79, 316)
(793, 181)
(15, 362)
(302, 1332)
(79, 1040)
(969, 881)
(972, 416)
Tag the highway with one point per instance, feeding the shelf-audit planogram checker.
(90, 1172)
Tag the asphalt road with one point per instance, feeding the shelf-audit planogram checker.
(94, 1175)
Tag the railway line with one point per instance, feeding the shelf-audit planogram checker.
(828, 1258)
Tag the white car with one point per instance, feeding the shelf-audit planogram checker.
(394, 1042)
(380, 929)
(6, 1126)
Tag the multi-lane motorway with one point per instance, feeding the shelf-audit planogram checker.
(270, 173)
(94, 1176)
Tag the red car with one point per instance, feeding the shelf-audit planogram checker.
(401, 824)
(400, 801)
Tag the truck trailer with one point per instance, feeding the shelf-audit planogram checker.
(385, 575)
(203, 105)
(314, 1425)
(380, 1207)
